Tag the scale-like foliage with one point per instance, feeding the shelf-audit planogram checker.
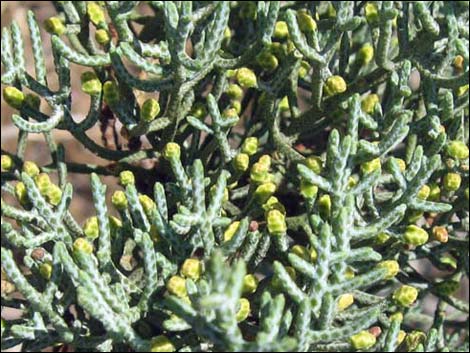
(310, 174)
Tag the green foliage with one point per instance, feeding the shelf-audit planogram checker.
(307, 155)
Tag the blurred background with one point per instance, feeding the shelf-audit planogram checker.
(38, 152)
(37, 149)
